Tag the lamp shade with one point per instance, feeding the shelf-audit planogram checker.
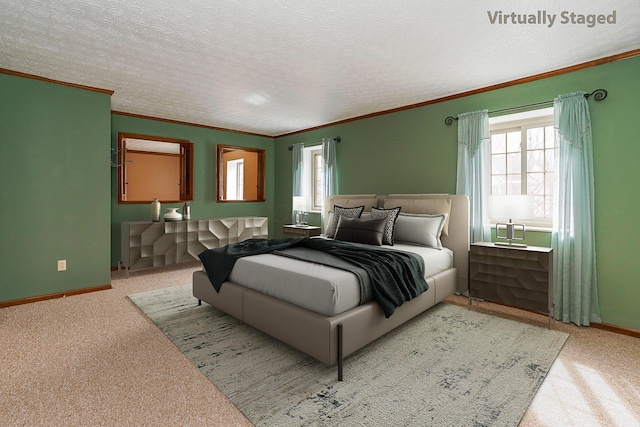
(514, 206)
(301, 203)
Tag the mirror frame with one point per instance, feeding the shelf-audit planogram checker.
(186, 167)
(221, 179)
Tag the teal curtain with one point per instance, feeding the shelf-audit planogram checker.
(473, 170)
(330, 169)
(573, 238)
(296, 167)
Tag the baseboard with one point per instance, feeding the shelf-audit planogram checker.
(54, 295)
(617, 329)
(606, 327)
(603, 326)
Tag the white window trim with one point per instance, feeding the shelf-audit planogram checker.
(540, 117)
(235, 174)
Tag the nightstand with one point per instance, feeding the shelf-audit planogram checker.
(300, 230)
(520, 277)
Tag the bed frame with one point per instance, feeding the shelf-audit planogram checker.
(331, 339)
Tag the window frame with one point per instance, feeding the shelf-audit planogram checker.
(222, 151)
(316, 179)
(183, 152)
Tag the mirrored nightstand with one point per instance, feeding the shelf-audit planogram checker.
(300, 230)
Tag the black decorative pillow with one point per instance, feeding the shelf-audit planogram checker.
(368, 231)
(339, 211)
(390, 215)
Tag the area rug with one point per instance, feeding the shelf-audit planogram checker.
(447, 367)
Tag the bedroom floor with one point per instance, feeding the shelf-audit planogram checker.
(95, 359)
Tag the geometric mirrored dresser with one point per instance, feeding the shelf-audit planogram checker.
(517, 276)
(146, 244)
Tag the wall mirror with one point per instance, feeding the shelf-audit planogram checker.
(154, 167)
(241, 175)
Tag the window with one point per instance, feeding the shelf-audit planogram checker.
(235, 179)
(522, 161)
(312, 181)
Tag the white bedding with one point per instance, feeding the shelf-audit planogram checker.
(322, 289)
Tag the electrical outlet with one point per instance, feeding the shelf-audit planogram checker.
(62, 264)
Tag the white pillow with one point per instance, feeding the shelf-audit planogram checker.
(431, 204)
(420, 229)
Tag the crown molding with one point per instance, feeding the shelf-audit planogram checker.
(532, 78)
(565, 70)
(160, 119)
(58, 82)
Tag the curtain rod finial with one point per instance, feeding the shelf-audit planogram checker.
(449, 120)
(598, 94)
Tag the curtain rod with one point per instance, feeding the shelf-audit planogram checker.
(598, 95)
(336, 139)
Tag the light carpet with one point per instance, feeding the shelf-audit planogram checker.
(449, 366)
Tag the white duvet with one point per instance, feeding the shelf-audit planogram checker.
(319, 288)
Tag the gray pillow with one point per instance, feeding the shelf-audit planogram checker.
(335, 215)
(368, 231)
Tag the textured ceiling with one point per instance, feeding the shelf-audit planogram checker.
(274, 66)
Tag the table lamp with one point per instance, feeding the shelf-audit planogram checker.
(301, 204)
(510, 207)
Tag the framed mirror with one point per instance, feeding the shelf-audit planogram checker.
(154, 167)
(241, 174)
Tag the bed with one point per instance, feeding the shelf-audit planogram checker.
(330, 331)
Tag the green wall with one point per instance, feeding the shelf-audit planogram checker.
(414, 151)
(54, 187)
(204, 204)
(59, 194)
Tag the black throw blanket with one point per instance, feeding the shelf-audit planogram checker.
(395, 276)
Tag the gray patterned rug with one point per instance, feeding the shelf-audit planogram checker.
(448, 367)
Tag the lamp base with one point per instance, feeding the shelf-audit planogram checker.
(516, 245)
(510, 234)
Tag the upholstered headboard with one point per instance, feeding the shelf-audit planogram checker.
(350, 201)
(456, 236)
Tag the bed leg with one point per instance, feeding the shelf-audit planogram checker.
(199, 301)
(340, 359)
